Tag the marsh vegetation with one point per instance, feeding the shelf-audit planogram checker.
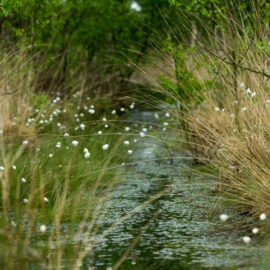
(134, 134)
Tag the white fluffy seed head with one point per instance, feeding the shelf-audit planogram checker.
(130, 151)
(58, 145)
(42, 228)
(255, 230)
(105, 147)
(99, 132)
(246, 239)
(142, 134)
(126, 142)
(75, 143)
(224, 217)
(263, 216)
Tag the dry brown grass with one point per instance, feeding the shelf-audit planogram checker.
(235, 136)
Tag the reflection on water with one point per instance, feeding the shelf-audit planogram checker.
(178, 229)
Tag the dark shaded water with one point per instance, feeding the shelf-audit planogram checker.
(175, 224)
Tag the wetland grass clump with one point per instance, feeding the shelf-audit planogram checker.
(228, 127)
(55, 174)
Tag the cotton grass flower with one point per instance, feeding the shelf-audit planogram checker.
(223, 217)
(263, 216)
(42, 228)
(75, 143)
(25, 201)
(25, 142)
(105, 147)
(86, 153)
(142, 134)
(82, 126)
(130, 151)
(50, 155)
(135, 6)
(99, 132)
(126, 142)
(255, 230)
(46, 200)
(217, 109)
(14, 167)
(23, 180)
(58, 145)
(246, 239)
(127, 129)
(244, 109)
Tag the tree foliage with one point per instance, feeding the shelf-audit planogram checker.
(98, 30)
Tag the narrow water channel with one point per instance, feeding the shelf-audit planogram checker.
(177, 226)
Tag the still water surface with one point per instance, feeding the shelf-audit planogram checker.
(175, 224)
